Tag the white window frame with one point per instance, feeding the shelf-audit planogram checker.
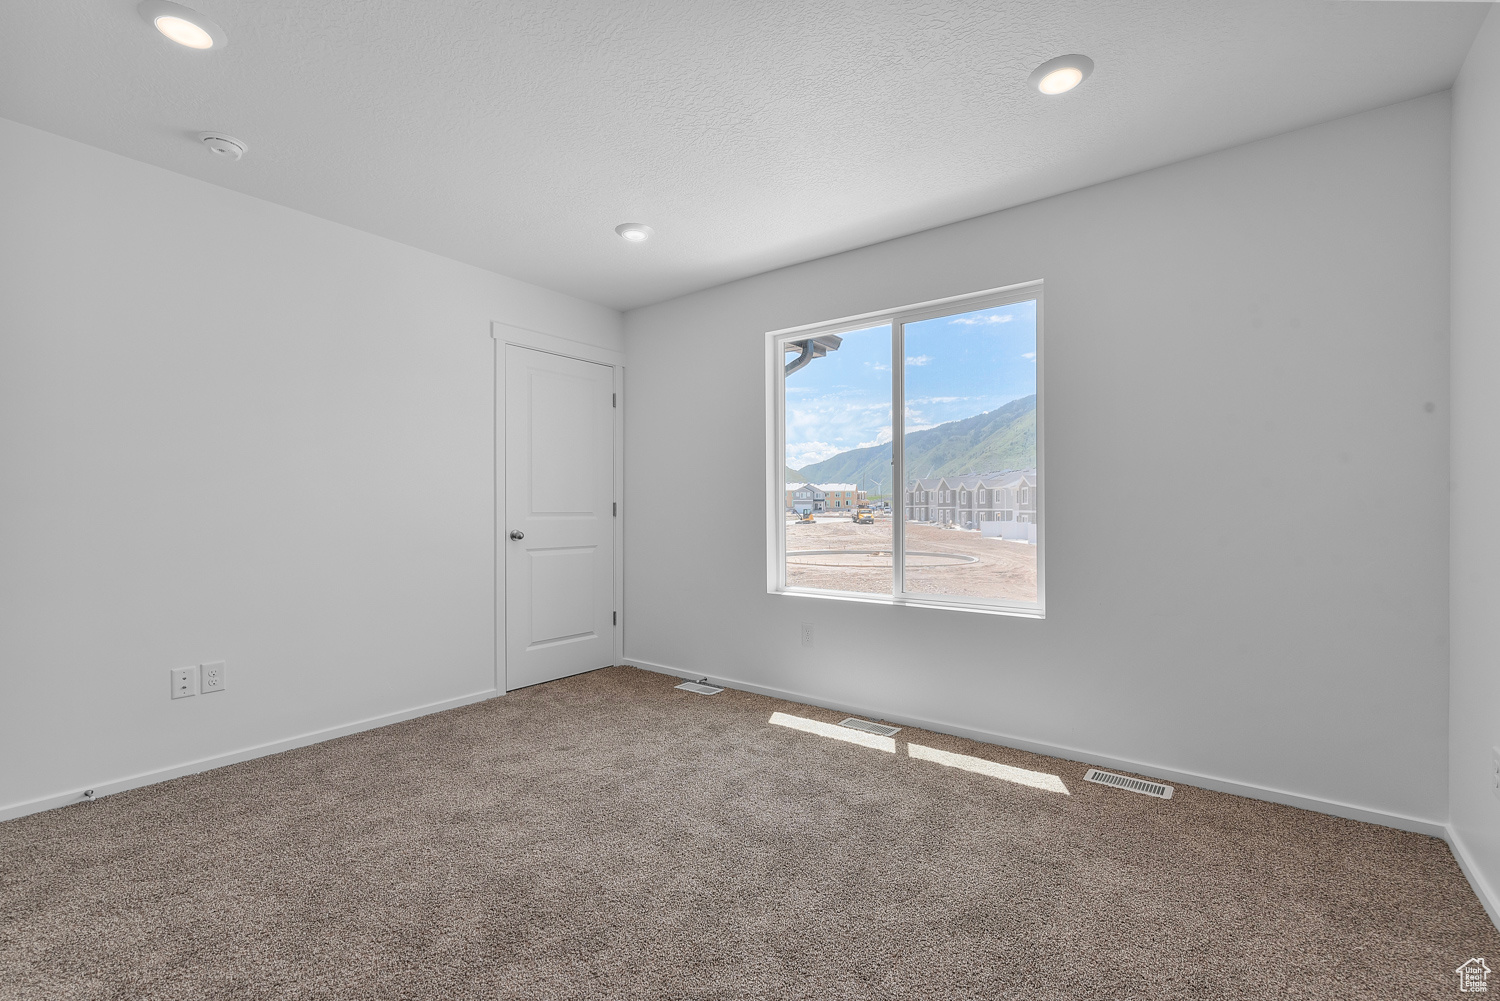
(776, 448)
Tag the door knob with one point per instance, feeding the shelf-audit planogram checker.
(517, 534)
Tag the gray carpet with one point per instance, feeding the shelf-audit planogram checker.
(607, 836)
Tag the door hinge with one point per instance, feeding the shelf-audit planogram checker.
(614, 618)
(616, 506)
(614, 399)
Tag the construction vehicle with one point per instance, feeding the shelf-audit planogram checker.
(805, 518)
(863, 516)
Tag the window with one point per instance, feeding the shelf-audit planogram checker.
(937, 405)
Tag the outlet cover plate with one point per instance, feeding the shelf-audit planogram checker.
(184, 682)
(212, 677)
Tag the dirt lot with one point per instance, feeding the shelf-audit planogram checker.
(1001, 568)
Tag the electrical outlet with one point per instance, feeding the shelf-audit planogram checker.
(807, 634)
(1495, 771)
(184, 682)
(212, 677)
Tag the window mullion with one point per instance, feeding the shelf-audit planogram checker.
(898, 458)
(776, 359)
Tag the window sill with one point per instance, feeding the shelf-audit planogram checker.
(942, 604)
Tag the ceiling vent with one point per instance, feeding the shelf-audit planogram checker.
(219, 144)
(701, 689)
(868, 727)
(1129, 784)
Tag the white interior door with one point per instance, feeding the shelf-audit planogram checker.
(559, 541)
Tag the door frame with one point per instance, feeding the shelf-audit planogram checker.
(505, 334)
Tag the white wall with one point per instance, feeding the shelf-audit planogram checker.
(1257, 334)
(1475, 504)
(232, 431)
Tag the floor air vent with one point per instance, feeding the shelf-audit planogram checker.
(1126, 782)
(868, 727)
(693, 686)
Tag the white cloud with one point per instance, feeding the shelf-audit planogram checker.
(832, 410)
(809, 452)
(917, 360)
(970, 321)
(882, 368)
(834, 423)
(803, 418)
(914, 417)
(1029, 356)
(937, 399)
(915, 420)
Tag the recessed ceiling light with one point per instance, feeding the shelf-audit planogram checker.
(183, 25)
(635, 232)
(1060, 75)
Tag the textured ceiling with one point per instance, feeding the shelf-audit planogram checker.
(515, 135)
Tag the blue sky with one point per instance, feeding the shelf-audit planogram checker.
(956, 366)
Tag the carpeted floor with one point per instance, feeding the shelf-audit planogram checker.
(607, 836)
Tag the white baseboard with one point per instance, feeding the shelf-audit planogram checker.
(1482, 888)
(105, 788)
(1432, 828)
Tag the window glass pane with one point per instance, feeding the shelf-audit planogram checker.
(970, 382)
(838, 463)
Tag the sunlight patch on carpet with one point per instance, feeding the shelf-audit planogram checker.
(834, 732)
(1006, 773)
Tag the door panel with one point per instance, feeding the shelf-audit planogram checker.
(559, 494)
(562, 606)
(562, 428)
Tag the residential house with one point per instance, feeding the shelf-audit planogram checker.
(840, 496)
(804, 497)
(966, 501)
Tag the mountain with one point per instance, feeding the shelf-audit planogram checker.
(792, 476)
(1000, 439)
